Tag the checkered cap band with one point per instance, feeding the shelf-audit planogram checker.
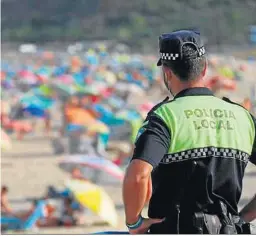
(175, 56)
(169, 56)
(206, 152)
(201, 51)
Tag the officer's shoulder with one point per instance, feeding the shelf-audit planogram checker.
(166, 100)
(232, 102)
(157, 106)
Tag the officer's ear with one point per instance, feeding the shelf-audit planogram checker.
(167, 71)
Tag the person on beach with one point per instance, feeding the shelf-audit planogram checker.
(6, 210)
(5, 206)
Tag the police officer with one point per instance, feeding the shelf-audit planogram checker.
(191, 152)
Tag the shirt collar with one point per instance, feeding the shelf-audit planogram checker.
(198, 91)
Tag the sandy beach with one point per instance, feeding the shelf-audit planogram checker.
(30, 167)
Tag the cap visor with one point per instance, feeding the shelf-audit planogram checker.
(159, 63)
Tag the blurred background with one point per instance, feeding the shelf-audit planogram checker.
(77, 80)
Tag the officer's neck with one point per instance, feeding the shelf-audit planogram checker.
(187, 85)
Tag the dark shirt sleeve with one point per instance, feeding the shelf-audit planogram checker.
(153, 141)
(253, 156)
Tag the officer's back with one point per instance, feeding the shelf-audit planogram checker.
(211, 140)
(197, 145)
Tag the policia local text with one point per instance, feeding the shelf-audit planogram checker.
(221, 119)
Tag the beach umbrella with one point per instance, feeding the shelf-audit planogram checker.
(43, 90)
(91, 57)
(107, 116)
(86, 90)
(59, 71)
(63, 90)
(110, 77)
(35, 111)
(78, 78)
(43, 74)
(28, 76)
(115, 102)
(37, 101)
(95, 199)
(128, 115)
(85, 162)
(134, 118)
(5, 141)
(66, 79)
(107, 92)
(98, 127)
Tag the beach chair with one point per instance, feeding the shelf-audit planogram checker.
(13, 223)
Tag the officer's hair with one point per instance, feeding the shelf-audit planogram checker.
(187, 69)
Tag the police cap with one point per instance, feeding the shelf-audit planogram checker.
(171, 45)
